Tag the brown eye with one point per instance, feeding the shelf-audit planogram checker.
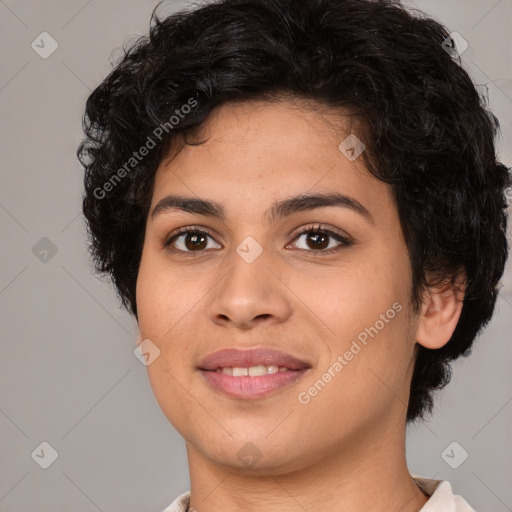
(195, 241)
(189, 240)
(317, 240)
(321, 240)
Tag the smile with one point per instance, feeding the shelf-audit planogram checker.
(239, 383)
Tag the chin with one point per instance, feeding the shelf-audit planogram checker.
(252, 454)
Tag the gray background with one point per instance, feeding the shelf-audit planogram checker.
(68, 375)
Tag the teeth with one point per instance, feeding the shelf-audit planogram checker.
(257, 371)
(252, 371)
(240, 372)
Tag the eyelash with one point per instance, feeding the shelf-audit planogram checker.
(317, 229)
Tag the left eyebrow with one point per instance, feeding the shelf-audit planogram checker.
(277, 211)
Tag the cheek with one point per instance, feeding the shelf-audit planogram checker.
(159, 313)
(365, 306)
(346, 299)
(365, 377)
(161, 297)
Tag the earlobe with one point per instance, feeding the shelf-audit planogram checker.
(440, 312)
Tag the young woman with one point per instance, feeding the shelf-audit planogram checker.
(300, 202)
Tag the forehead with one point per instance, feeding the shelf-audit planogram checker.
(256, 152)
(284, 123)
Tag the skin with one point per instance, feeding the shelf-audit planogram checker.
(344, 450)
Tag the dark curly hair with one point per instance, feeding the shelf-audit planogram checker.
(427, 132)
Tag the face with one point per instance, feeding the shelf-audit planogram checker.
(326, 282)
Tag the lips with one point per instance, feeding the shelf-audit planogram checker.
(251, 373)
(231, 358)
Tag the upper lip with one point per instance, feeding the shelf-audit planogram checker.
(244, 358)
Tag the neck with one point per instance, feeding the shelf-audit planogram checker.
(367, 472)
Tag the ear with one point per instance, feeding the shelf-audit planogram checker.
(440, 312)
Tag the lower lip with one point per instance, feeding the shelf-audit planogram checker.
(251, 387)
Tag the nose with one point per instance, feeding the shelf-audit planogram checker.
(249, 294)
